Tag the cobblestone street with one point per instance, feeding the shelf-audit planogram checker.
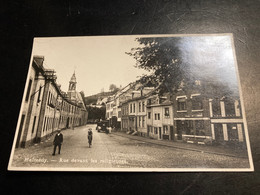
(114, 151)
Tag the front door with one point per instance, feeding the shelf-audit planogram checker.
(171, 133)
(160, 133)
(180, 128)
(219, 136)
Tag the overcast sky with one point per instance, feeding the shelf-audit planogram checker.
(101, 61)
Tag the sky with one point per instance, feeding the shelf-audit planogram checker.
(97, 62)
(101, 61)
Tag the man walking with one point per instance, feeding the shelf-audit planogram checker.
(90, 136)
(57, 142)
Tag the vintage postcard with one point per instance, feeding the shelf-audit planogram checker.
(165, 103)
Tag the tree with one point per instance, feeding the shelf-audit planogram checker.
(96, 113)
(112, 87)
(161, 57)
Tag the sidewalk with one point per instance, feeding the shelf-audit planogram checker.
(219, 150)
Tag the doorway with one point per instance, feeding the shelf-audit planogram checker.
(20, 132)
(68, 122)
(219, 136)
(172, 133)
(180, 128)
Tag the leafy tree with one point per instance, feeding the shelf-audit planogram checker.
(162, 57)
(112, 87)
(90, 100)
(96, 113)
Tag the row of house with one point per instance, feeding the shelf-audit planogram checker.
(46, 108)
(186, 115)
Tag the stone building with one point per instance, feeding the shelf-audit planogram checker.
(202, 118)
(226, 120)
(134, 115)
(114, 103)
(192, 115)
(160, 118)
(45, 108)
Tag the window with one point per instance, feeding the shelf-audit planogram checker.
(134, 108)
(28, 90)
(196, 103)
(48, 100)
(165, 130)
(181, 104)
(166, 112)
(149, 101)
(197, 82)
(199, 127)
(229, 107)
(47, 124)
(232, 132)
(157, 116)
(44, 125)
(140, 121)
(150, 129)
(143, 107)
(149, 115)
(34, 119)
(155, 130)
(39, 95)
(131, 108)
(139, 106)
(143, 121)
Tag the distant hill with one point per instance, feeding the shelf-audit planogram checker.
(92, 99)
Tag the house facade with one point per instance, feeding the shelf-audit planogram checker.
(45, 107)
(203, 118)
(160, 118)
(226, 120)
(191, 117)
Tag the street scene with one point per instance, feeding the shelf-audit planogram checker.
(162, 103)
(118, 151)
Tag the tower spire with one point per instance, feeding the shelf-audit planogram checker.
(73, 82)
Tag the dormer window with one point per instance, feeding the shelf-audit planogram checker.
(197, 82)
(166, 112)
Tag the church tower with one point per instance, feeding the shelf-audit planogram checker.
(72, 88)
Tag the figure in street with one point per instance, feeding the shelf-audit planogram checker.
(57, 142)
(90, 137)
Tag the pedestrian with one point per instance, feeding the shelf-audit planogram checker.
(90, 136)
(57, 142)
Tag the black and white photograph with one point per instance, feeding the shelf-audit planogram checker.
(145, 103)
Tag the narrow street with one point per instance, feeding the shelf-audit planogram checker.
(113, 151)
